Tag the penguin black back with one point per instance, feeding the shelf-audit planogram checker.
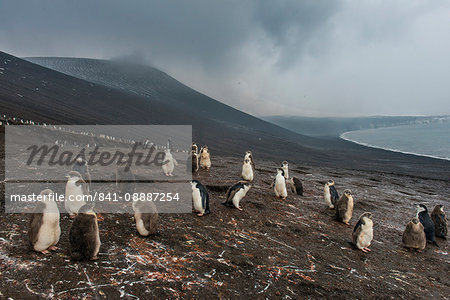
(334, 194)
(204, 194)
(428, 225)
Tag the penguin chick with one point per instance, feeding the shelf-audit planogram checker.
(363, 232)
(414, 235)
(84, 234)
(43, 229)
(193, 161)
(205, 158)
(440, 222)
(344, 207)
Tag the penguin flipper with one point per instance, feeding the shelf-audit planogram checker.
(76, 240)
(34, 227)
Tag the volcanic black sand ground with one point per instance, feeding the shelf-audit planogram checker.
(272, 249)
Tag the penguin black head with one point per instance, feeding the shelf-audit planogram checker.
(284, 163)
(280, 171)
(421, 208)
(347, 192)
(415, 220)
(330, 182)
(246, 183)
(247, 161)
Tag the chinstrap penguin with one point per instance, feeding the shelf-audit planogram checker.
(76, 190)
(330, 194)
(235, 194)
(428, 225)
(363, 232)
(81, 167)
(44, 230)
(280, 184)
(200, 198)
(249, 155)
(285, 167)
(169, 163)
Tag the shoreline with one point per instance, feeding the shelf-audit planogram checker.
(343, 137)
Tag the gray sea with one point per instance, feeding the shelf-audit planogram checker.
(432, 140)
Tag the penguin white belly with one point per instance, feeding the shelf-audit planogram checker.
(205, 162)
(365, 238)
(286, 172)
(247, 172)
(49, 232)
(168, 167)
(327, 196)
(140, 225)
(238, 197)
(348, 213)
(280, 187)
(74, 198)
(97, 241)
(197, 200)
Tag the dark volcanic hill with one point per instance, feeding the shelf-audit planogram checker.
(108, 92)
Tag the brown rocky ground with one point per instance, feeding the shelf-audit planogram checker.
(272, 249)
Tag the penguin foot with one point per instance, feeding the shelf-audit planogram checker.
(200, 214)
(239, 208)
(72, 216)
(45, 252)
(365, 249)
(53, 248)
(100, 217)
(94, 258)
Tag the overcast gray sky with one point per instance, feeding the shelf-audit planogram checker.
(274, 57)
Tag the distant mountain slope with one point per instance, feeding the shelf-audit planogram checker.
(41, 94)
(336, 126)
(158, 87)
